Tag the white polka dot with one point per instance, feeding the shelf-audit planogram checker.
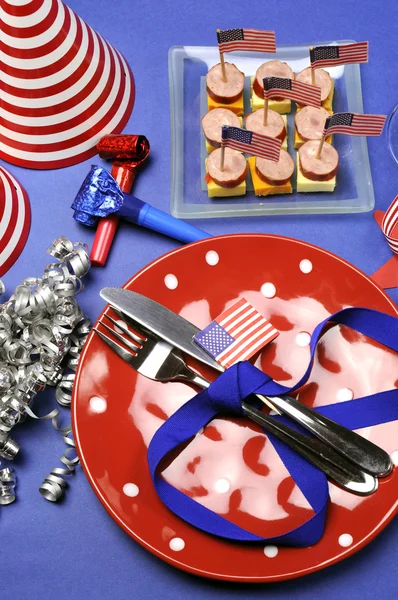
(305, 266)
(212, 258)
(394, 458)
(177, 544)
(303, 339)
(268, 290)
(97, 404)
(345, 540)
(344, 395)
(171, 281)
(270, 551)
(222, 486)
(131, 490)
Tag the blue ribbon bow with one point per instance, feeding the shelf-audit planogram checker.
(224, 397)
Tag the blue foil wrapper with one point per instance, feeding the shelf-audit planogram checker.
(99, 196)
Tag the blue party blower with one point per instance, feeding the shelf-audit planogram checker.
(101, 196)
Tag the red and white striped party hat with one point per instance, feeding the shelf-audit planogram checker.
(14, 220)
(62, 86)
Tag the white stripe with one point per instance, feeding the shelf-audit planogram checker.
(59, 76)
(72, 131)
(244, 315)
(248, 342)
(87, 145)
(48, 59)
(68, 114)
(17, 2)
(246, 323)
(8, 250)
(64, 95)
(38, 40)
(28, 20)
(253, 349)
(233, 314)
(390, 216)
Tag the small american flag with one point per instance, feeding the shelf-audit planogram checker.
(303, 93)
(390, 225)
(354, 124)
(246, 39)
(331, 56)
(251, 142)
(237, 334)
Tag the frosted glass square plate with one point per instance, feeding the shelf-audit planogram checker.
(188, 66)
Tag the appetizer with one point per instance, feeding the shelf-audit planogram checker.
(212, 123)
(231, 180)
(316, 174)
(309, 123)
(225, 94)
(276, 126)
(322, 80)
(272, 68)
(270, 177)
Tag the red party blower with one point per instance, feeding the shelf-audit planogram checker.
(127, 153)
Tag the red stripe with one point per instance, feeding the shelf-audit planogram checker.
(249, 313)
(74, 141)
(24, 10)
(230, 310)
(29, 53)
(62, 85)
(54, 67)
(256, 338)
(30, 32)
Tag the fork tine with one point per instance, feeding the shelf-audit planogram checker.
(126, 330)
(119, 337)
(122, 352)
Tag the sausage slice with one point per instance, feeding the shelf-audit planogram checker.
(322, 80)
(275, 173)
(310, 122)
(272, 68)
(235, 167)
(213, 121)
(318, 169)
(225, 91)
(275, 126)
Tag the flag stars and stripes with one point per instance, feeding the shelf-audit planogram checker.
(254, 40)
(237, 334)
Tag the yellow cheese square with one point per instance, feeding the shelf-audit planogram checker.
(308, 185)
(217, 191)
(280, 106)
(210, 148)
(284, 143)
(236, 107)
(328, 103)
(261, 188)
(298, 140)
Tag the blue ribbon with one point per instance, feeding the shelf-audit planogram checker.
(100, 196)
(225, 396)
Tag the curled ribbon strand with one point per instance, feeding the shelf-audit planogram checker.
(42, 333)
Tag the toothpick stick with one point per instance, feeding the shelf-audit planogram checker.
(224, 73)
(265, 111)
(312, 73)
(222, 158)
(318, 154)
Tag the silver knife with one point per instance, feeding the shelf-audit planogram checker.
(180, 333)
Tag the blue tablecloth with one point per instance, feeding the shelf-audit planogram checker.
(74, 550)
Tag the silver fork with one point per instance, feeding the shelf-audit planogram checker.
(158, 360)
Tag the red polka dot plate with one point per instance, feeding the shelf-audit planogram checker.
(230, 467)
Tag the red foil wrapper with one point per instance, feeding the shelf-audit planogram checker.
(127, 153)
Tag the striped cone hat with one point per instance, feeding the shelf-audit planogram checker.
(14, 220)
(62, 86)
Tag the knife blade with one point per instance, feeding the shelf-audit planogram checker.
(179, 332)
(163, 322)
